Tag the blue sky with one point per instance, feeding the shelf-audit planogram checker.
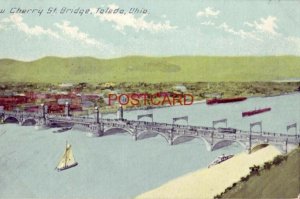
(191, 27)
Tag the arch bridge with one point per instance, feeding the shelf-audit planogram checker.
(213, 138)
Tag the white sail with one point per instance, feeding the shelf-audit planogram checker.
(67, 159)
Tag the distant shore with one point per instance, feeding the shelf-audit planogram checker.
(152, 69)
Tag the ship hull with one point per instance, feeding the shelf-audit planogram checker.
(220, 160)
(68, 167)
(226, 100)
(254, 112)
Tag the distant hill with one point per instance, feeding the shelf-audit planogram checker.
(281, 181)
(151, 69)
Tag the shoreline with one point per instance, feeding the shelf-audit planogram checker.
(209, 182)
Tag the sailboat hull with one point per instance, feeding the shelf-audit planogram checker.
(67, 167)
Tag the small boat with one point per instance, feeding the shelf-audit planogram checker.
(220, 159)
(62, 130)
(67, 161)
(254, 112)
(224, 100)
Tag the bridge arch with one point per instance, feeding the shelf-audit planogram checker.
(29, 121)
(153, 134)
(11, 119)
(207, 144)
(127, 130)
(145, 134)
(225, 143)
(164, 136)
(282, 147)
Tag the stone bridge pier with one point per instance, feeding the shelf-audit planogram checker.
(97, 128)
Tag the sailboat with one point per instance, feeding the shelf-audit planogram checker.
(67, 161)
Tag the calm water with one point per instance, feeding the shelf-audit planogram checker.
(285, 110)
(116, 166)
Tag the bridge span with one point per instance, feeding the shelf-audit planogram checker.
(214, 138)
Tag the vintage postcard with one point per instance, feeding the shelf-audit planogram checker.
(170, 99)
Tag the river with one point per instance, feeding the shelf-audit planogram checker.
(116, 166)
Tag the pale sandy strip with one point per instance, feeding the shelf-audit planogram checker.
(207, 183)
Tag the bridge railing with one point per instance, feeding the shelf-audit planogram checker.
(21, 114)
(71, 119)
(164, 127)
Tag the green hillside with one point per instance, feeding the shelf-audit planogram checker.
(151, 69)
(281, 181)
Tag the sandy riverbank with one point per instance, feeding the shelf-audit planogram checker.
(207, 183)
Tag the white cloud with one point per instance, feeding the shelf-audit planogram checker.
(74, 33)
(265, 25)
(208, 23)
(17, 21)
(259, 29)
(122, 21)
(225, 27)
(265, 31)
(241, 33)
(208, 12)
(63, 31)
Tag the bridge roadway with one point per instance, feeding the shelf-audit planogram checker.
(214, 138)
